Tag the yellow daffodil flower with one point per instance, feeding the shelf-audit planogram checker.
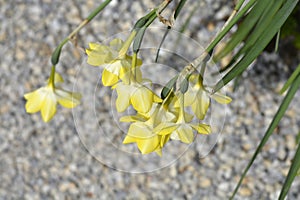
(199, 98)
(133, 90)
(142, 131)
(136, 94)
(182, 129)
(45, 99)
(113, 58)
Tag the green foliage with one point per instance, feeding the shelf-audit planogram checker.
(262, 33)
(278, 116)
(259, 22)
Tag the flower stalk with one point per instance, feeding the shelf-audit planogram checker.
(56, 54)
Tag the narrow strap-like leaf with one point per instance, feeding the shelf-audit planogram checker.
(291, 175)
(267, 18)
(279, 114)
(246, 26)
(290, 80)
(261, 43)
(230, 24)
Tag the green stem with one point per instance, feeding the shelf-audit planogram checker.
(52, 77)
(181, 114)
(127, 44)
(56, 53)
(133, 66)
(177, 11)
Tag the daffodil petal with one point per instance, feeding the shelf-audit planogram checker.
(159, 152)
(108, 78)
(58, 78)
(142, 99)
(201, 105)
(139, 62)
(174, 136)
(194, 78)
(126, 76)
(164, 139)
(114, 67)
(189, 97)
(185, 133)
(138, 74)
(128, 139)
(116, 44)
(132, 118)
(165, 128)
(48, 108)
(123, 99)
(34, 101)
(201, 128)
(97, 59)
(157, 99)
(140, 131)
(188, 117)
(96, 47)
(67, 99)
(148, 145)
(221, 98)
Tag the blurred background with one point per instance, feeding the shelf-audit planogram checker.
(49, 161)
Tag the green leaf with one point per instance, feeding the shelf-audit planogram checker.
(298, 138)
(266, 19)
(179, 7)
(230, 24)
(138, 39)
(290, 80)
(260, 44)
(142, 21)
(56, 53)
(168, 88)
(294, 169)
(244, 29)
(239, 4)
(277, 41)
(184, 85)
(279, 114)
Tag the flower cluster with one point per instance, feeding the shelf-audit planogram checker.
(157, 119)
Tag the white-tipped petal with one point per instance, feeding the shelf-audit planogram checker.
(221, 98)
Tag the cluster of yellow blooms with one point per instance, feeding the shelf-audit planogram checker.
(156, 120)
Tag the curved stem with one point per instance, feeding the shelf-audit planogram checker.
(56, 52)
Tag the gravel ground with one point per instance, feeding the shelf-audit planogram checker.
(54, 160)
